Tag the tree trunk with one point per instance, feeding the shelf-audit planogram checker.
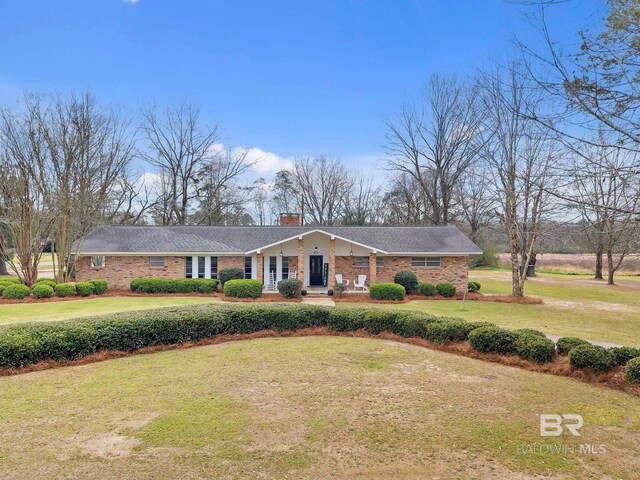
(610, 268)
(598, 274)
(3, 267)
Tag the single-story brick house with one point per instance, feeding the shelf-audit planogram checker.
(314, 254)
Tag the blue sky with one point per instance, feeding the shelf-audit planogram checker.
(287, 77)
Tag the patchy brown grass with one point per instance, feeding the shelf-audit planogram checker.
(473, 297)
(559, 366)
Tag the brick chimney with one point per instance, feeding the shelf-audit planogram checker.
(289, 219)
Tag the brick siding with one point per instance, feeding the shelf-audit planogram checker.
(454, 270)
(118, 271)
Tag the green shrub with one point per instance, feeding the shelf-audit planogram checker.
(340, 288)
(173, 285)
(100, 286)
(427, 289)
(230, 273)
(387, 291)
(530, 331)
(565, 344)
(84, 289)
(42, 290)
(407, 279)
(493, 339)
(346, 319)
(448, 331)
(243, 288)
(591, 356)
(632, 370)
(446, 289)
(290, 288)
(621, 355)
(413, 324)
(473, 286)
(12, 280)
(15, 291)
(46, 281)
(534, 348)
(3, 286)
(65, 289)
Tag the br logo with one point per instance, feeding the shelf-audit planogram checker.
(553, 425)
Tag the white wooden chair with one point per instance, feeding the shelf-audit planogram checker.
(360, 282)
(340, 280)
(271, 283)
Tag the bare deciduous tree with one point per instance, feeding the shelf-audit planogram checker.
(436, 143)
(520, 156)
(179, 148)
(323, 184)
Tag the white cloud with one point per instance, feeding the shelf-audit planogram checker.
(264, 163)
(132, 2)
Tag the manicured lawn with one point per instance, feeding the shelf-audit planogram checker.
(39, 312)
(358, 408)
(574, 305)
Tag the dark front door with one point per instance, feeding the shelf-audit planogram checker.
(315, 270)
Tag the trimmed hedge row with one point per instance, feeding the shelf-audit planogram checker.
(387, 291)
(46, 287)
(243, 288)
(25, 344)
(173, 285)
(16, 290)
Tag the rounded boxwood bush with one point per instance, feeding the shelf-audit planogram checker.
(427, 289)
(530, 331)
(65, 289)
(99, 286)
(566, 344)
(84, 289)
(446, 289)
(448, 331)
(46, 281)
(591, 356)
(534, 348)
(407, 279)
(290, 287)
(473, 286)
(230, 273)
(632, 370)
(15, 291)
(42, 290)
(387, 291)
(243, 288)
(493, 339)
(621, 355)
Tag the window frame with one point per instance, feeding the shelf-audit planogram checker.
(379, 262)
(202, 262)
(102, 261)
(188, 267)
(213, 267)
(426, 262)
(362, 258)
(248, 268)
(156, 257)
(285, 267)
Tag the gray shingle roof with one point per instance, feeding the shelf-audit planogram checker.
(201, 239)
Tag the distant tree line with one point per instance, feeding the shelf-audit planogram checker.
(513, 155)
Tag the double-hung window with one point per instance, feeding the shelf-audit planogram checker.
(156, 262)
(188, 273)
(432, 262)
(247, 267)
(201, 267)
(285, 267)
(362, 262)
(213, 269)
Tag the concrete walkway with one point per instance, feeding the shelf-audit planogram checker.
(324, 301)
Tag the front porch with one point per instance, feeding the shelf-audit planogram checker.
(316, 258)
